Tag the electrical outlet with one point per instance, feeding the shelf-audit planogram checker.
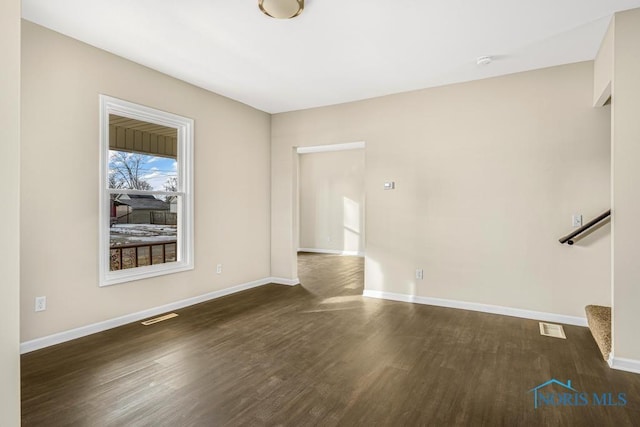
(219, 269)
(576, 220)
(41, 303)
(419, 274)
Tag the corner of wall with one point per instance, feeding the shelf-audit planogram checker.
(603, 68)
(10, 39)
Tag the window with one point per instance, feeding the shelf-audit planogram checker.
(146, 201)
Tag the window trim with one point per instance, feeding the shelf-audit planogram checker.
(185, 243)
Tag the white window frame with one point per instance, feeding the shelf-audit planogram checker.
(184, 249)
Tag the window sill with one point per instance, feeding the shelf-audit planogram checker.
(139, 273)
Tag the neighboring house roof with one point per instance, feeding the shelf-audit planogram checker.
(137, 201)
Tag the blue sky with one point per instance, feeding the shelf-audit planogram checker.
(159, 170)
(156, 170)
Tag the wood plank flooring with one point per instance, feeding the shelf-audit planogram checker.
(320, 354)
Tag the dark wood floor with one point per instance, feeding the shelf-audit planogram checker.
(320, 354)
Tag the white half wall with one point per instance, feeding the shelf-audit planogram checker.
(626, 193)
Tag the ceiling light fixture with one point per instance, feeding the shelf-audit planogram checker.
(281, 9)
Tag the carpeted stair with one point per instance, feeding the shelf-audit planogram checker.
(599, 320)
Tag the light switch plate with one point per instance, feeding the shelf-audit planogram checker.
(390, 185)
(577, 220)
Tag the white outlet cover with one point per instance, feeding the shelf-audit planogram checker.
(41, 303)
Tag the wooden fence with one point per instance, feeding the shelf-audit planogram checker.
(163, 217)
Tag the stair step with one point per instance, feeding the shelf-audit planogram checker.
(599, 320)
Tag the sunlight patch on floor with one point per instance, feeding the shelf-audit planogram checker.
(341, 299)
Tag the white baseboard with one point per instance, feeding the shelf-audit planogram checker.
(82, 331)
(283, 281)
(332, 252)
(622, 364)
(484, 308)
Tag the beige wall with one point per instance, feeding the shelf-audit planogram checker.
(62, 79)
(487, 173)
(331, 189)
(10, 213)
(603, 68)
(625, 185)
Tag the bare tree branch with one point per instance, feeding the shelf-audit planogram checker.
(125, 171)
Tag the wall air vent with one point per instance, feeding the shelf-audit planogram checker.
(159, 319)
(552, 330)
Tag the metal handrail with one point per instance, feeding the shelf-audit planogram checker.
(119, 248)
(569, 237)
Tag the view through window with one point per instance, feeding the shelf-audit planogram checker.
(146, 206)
(143, 226)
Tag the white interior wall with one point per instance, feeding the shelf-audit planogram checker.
(488, 175)
(625, 192)
(61, 81)
(10, 213)
(332, 202)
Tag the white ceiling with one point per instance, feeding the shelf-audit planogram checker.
(337, 50)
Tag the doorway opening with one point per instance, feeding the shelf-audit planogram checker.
(330, 200)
